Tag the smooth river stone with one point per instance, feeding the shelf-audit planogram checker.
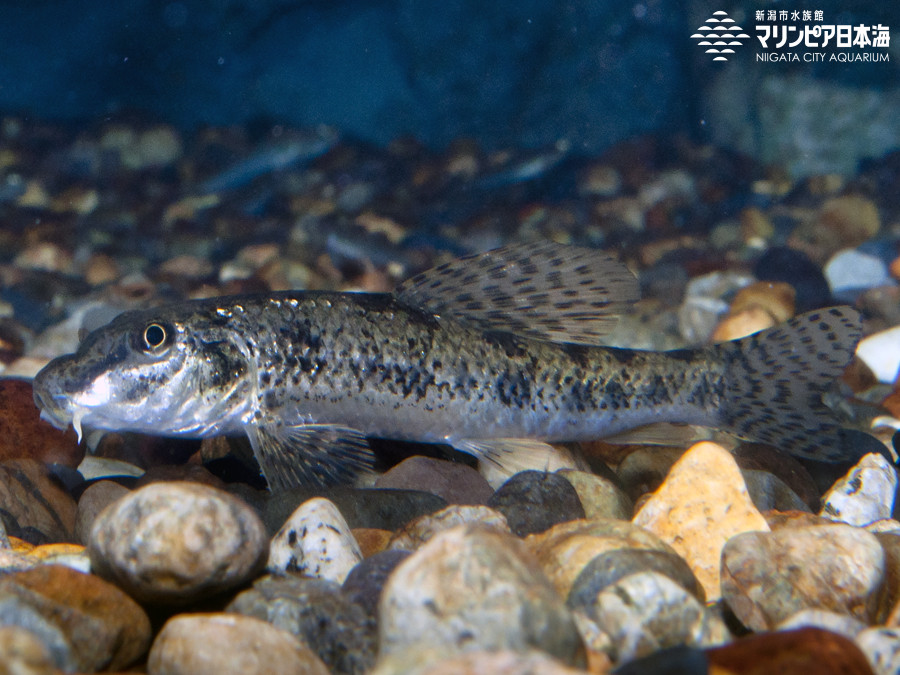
(769, 576)
(105, 627)
(472, 588)
(423, 528)
(565, 550)
(534, 501)
(214, 644)
(600, 497)
(701, 504)
(315, 541)
(455, 482)
(172, 543)
(864, 495)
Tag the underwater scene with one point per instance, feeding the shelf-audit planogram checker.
(415, 338)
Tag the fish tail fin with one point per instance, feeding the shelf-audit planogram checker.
(776, 379)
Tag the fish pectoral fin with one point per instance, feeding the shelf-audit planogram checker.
(320, 455)
(663, 433)
(503, 457)
(547, 291)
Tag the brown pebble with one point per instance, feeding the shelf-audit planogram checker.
(106, 628)
(794, 652)
(371, 540)
(744, 323)
(36, 505)
(775, 297)
(24, 435)
(213, 644)
(93, 500)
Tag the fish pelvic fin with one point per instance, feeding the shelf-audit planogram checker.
(775, 380)
(309, 455)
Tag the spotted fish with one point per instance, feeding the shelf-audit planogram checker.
(493, 354)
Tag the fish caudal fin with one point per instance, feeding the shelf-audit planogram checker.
(776, 379)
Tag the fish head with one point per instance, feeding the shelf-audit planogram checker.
(155, 371)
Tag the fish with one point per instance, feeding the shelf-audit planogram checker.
(496, 354)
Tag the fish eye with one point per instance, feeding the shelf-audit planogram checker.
(155, 337)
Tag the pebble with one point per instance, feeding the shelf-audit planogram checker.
(881, 353)
(104, 627)
(765, 458)
(549, 458)
(457, 483)
(607, 568)
(864, 495)
(702, 503)
(842, 222)
(795, 652)
(383, 509)
(645, 612)
(93, 468)
(24, 435)
(600, 497)
(18, 612)
(769, 576)
(366, 581)
(881, 645)
(172, 543)
(371, 540)
(479, 662)
(780, 263)
(644, 469)
(776, 298)
(217, 643)
(890, 542)
(741, 324)
(566, 550)
(35, 508)
(534, 501)
(822, 618)
(315, 541)
(473, 588)
(23, 653)
(422, 529)
(93, 500)
(319, 614)
(769, 492)
(851, 271)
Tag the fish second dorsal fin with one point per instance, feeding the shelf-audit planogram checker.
(545, 291)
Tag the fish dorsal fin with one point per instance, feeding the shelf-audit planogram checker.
(544, 291)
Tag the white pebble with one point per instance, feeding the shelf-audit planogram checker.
(881, 353)
(315, 541)
(851, 270)
(864, 495)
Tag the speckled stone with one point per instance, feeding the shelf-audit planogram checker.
(213, 644)
(34, 507)
(315, 541)
(173, 543)
(496, 662)
(422, 529)
(881, 645)
(795, 652)
(890, 602)
(566, 549)
(757, 456)
(534, 501)
(645, 612)
(767, 577)
(473, 588)
(702, 503)
(455, 482)
(105, 628)
(23, 653)
(864, 495)
(315, 611)
(92, 501)
(600, 497)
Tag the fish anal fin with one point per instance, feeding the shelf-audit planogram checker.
(500, 458)
(319, 455)
(545, 291)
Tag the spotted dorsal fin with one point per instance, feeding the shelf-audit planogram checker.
(544, 291)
